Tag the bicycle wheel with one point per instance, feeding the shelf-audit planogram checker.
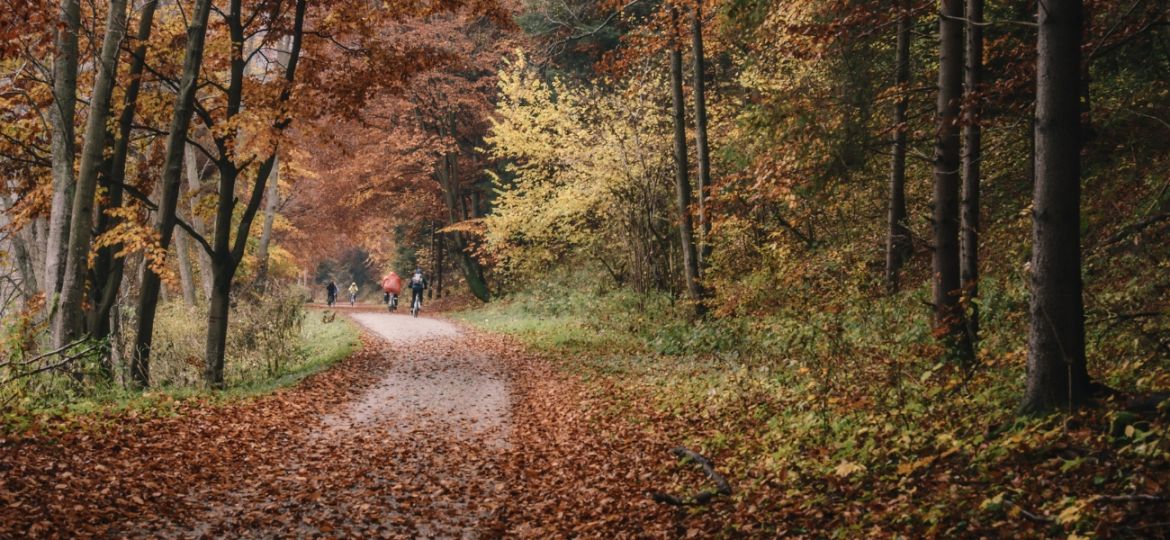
(415, 306)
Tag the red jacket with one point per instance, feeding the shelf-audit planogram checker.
(392, 283)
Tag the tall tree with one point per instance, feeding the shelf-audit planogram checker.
(109, 268)
(171, 183)
(226, 252)
(702, 149)
(898, 247)
(947, 312)
(972, 156)
(61, 117)
(682, 181)
(1057, 372)
(69, 322)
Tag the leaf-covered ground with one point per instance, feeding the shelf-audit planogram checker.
(346, 453)
(434, 430)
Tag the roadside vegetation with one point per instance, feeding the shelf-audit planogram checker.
(841, 420)
(274, 342)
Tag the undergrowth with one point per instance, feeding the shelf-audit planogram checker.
(272, 343)
(843, 420)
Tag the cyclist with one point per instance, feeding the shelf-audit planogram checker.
(331, 293)
(418, 283)
(391, 286)
(353, 290)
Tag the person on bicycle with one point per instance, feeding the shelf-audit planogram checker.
(418, 283)
(391, 286)
(331, 293)
(353, 290)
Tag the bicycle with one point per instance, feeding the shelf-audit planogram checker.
(331, 299)
(392, 302)
(352, 299)
(416, 305)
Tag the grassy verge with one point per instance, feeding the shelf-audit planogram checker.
(318, 345)
(845, 422)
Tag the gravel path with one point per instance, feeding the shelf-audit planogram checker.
(436, 376)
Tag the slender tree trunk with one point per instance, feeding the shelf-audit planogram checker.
(69, 323)
(18, 239)
(186, 280)
(63, 145)
(682, 177)
(701, 146)
(217, 326)
(1057, 372)
(171, 183)
(453, 195)
(114, 268)
(948, 314)
(439, 265)
(898, 247)
(972, 155)
(194, 184)
(271, 199)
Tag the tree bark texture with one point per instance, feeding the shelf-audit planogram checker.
(1057, 373)
(947, 310)
(702, 148)
(63, 144)
(682, 181)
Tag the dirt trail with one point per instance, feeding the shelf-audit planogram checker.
(431, 430)
(450, 383)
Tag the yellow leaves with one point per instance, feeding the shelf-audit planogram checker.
(847, 468)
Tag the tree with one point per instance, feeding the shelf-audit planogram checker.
(61, 116)
(947, 310)
(898, 241)
(702, 149)
(69, 321)
(682, 181)
(171, 183)
(972, 156)
(1057, 372)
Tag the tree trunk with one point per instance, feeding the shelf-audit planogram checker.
(186, 280)
(217, 327)
(1057, 372)
(947, 313)
(898, 247)
(682, 177)
(701, 146)
(113, 267)
(70, 322)
(194, 184)
(972, 155)
(272, 198)
(171, 183)
(63, 145)
(18, 239)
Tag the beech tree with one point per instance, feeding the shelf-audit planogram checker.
(69, 322)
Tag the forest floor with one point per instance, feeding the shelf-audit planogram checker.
(431, 429)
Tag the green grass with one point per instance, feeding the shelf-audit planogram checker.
(320, 346)
(858, 396)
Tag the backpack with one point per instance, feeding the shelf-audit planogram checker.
(417, 279)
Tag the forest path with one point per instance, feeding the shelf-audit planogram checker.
(430, 430)
(404, 439)
(410, 454)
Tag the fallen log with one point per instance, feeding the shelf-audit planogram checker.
(722, 487)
